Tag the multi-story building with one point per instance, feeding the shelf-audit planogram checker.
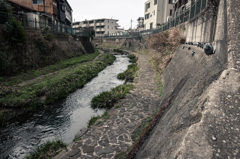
(102, 27)
(157, 12)
(47, 10)
(64, 12)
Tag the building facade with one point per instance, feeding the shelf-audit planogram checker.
(45, 10)
(157, 12)
(102, 27)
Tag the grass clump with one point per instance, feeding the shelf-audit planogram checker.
(2, 119)
(133, 58)
(129, 74)
(48, 150)
(108, 99)
(158, 80)
(93, 120)
(118, 50)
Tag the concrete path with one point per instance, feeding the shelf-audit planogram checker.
(99, 142)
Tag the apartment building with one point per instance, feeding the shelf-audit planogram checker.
(102, 27)
(47, 10)
(157, 12)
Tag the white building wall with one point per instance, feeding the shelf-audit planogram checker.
(158, 13)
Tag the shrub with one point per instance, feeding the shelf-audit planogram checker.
(13, 31)
(4, 8)
(3, 63)
(46, 34)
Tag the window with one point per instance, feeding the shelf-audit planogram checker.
(37, 1)
(154, 12)
(147, 16)
(170, 12)
(147, 6)
(155, 2)
(108, 27)
(151, 25)
(108, 21)
(55, 4)
(63, 7)
(171, 1)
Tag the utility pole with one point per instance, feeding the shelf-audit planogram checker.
(131, 27)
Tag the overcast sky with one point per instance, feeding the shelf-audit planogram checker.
(122, 10)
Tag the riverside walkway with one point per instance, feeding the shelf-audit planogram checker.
(98, 142)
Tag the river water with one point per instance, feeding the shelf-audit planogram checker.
(63, 120)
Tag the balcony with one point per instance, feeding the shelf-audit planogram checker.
(100, 29)
(100, 24)
(92, 24)
(84, 25)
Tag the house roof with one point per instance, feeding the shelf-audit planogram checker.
(24, 6)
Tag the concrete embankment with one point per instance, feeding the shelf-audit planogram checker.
(203, 119)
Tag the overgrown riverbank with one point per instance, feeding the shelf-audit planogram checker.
(48, 89)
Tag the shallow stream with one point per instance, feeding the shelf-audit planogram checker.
(63, 120)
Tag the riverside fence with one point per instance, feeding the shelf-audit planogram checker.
(33, 21)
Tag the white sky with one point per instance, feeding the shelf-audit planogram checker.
(122, 10)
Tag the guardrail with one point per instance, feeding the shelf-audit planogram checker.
(32, 21)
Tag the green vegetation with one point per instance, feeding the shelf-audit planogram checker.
(118, 50)
(49, 69)
(129, 74)
(133, 58)
(93, 120)
(2, 119)
(158, 79)
(108, 99)
(48, 150)
(77, 139)
(46, 34)
(14, 32)
(56, 86)
(117, 106)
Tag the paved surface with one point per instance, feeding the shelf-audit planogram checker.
(99, 142)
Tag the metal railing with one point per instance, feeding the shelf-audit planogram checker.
(180, 16)
(38, 22)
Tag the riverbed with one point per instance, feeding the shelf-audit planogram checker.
(62, 120)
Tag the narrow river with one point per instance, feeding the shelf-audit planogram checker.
(63, 120)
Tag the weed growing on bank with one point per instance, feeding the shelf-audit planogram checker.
(48, 150)
(93, 120)
(133, 58)
(9, 81)
(129, 74)
(161, 46)
(57, 86)
(108, 99)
